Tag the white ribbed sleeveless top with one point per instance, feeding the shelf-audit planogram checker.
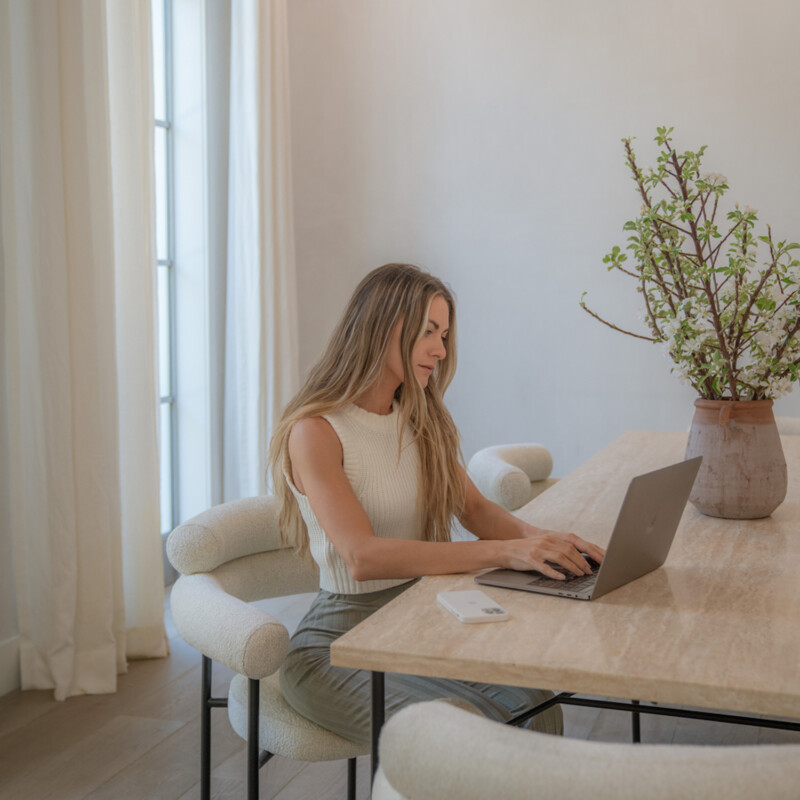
(386, 486)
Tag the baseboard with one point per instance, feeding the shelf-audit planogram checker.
(9, 665)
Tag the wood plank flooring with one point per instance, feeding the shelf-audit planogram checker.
(143, 741)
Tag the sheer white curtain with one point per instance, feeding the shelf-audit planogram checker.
(261, 306)
(79, 279)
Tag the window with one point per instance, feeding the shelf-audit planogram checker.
(185, 294)
(165, 254)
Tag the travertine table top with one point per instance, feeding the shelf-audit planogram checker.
(718, 626)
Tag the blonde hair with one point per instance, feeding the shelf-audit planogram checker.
(353, 362)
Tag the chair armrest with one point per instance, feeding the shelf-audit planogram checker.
(504, 473)
(225, 532)
(226, 629)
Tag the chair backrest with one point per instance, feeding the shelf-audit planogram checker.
(239, 544)
(507, 474)
(230, 554)
(435, 750)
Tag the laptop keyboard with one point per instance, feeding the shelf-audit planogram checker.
(575, 583)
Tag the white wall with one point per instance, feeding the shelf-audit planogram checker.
(481, 139)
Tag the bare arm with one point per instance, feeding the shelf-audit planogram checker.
(487, 521)
(316, 457)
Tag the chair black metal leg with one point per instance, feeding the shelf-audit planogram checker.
(351, 779)
(205, 731)
(253, 700)
(378, 714)
(635, 724)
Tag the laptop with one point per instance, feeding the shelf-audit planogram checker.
(640, 542)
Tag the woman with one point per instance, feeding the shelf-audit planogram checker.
(366, 462)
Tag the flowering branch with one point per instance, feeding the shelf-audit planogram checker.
(611, 325)
(731, 327)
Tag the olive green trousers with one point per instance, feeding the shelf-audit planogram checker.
(339, 698)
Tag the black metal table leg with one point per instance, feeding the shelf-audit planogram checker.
(378, 713)
(351, 779)
(636, 724)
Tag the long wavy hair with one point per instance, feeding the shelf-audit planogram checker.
(353, 362)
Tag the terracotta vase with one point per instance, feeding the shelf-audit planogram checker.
(743, 474)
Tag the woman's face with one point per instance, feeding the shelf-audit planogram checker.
(430, 347)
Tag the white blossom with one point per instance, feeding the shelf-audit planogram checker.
(774, 292)
(769, 338)
(715, 179)
(779, 386)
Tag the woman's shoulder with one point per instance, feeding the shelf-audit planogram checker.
(312, 430)
(313, 438)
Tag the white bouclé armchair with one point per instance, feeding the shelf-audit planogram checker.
(435, 751)
(228, 557)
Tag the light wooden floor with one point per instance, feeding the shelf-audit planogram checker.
(143, 741)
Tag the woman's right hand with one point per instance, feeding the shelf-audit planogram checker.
(564, 549)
